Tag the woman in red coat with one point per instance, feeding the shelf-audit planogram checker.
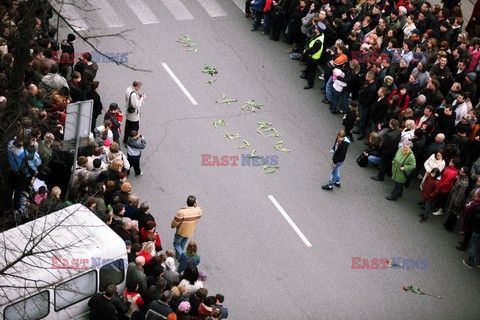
(150, 229)
(446, 184)
(431, 188)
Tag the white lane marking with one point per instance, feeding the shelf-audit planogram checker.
(72, 16)
(290, 221)
(108, 14)
(213, 8)
(142, 11)
(174, 77)
(240, 4)
(177, 9)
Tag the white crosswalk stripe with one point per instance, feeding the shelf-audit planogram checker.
(108, 14)
(240, 4)
(105, 10)
(142, 11)
(177, 9)
(213, 8)
(71, 14)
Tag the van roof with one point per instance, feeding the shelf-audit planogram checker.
(72, 233)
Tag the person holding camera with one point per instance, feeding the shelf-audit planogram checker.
(134, 101)
(135, 144)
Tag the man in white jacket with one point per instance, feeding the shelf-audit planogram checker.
(134, 101)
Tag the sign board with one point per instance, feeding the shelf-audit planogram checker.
(79, 119)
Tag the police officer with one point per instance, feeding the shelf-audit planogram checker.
(313, 52)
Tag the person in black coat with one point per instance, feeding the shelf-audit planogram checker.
(101, 306)
(446, 122)
(379, 108)
(349, 119)
(339, 151)
(97, 103)
(366, 97)
(388, 149)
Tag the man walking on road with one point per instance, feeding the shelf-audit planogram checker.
(134, 102)
(339, 151)
(185, 221)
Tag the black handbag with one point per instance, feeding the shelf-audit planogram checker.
(362, 160)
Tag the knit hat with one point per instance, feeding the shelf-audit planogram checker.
(113, 106)
(321, 26)
(472, 76)
(418, 133)
(202, 275)
(416, 31)
(403, 9)
(106, 143)
(395, 12)
(71, 37)
(126, 187)
(184, 306)
(341, 59)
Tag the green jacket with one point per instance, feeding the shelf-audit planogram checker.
(402, 160)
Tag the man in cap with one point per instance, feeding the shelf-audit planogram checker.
(392, 21)
(115, 115)
(313, 53)
(67, 47)
(134, 103)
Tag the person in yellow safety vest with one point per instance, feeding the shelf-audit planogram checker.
(313, 52)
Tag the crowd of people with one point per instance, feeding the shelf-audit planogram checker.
(41, 179)
(407, 74)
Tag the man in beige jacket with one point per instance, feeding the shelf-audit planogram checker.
(185, 221)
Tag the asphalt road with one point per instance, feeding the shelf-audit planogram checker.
(250, 252)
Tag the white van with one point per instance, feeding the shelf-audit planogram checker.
(51, 266)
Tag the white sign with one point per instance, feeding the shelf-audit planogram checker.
(84, 108)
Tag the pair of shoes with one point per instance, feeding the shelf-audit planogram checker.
(461, 248)
(303, 76)
(307, 87)
(421, 203)
(465, 262)
(356, 132)
(391, 198)
(423, 220)
(438, 213)
(138, 175)
(335, 112)
(327, 187)
(361, 138)
(376, 178)
(325, 101)
(338, 185)
(247, 15)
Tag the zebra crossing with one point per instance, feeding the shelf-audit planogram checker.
(84, 15)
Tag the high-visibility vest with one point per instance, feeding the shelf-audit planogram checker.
(317, 54)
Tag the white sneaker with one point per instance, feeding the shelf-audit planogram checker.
(321, 78)
(438, 213)
(138, 175)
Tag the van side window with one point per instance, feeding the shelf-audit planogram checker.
(34, 307)
(75, 290)
(113, 272)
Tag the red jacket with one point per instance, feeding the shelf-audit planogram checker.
(431, 187)
(448, 179)
(144, 234)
